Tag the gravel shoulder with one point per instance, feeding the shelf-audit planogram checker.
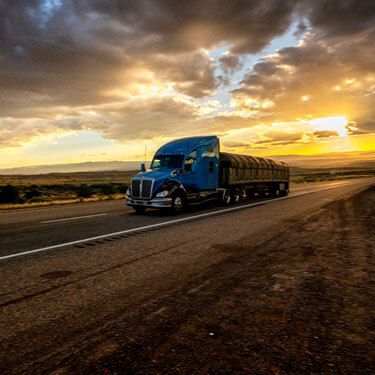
(300, 303)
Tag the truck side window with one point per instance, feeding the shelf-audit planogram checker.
(210, 152)
(211, 167)
(190, 159)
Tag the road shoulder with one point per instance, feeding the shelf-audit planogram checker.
(302, 302)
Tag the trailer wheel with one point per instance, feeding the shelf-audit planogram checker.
(276, 191)
(178, 204)
(227, 198)
(286, 191)
(139, 209)
(250, 194)
(235, 198)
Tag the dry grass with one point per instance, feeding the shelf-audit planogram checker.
(57, 202)
(77, 178)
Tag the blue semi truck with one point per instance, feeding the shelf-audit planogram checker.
(191, 171)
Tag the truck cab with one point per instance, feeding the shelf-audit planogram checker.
(184, 171)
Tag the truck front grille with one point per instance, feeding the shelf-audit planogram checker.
(136, 188)
(146, 188)
(142, 188)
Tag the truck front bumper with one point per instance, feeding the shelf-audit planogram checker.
(153, 203)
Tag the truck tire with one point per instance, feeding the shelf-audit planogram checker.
(286, 191)
(139, 209)
(250, 193)
(276, 191)
(235, 196)
(178, 203)
(227, 198)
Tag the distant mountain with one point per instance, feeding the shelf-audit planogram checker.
(74, 167)
(333, 160)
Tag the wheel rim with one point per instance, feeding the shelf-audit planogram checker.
(177, 203)
(227, 198)
(236, 197)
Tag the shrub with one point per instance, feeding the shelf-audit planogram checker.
(108, 189)
(84, 191)
(32, 192)
(122, 189)
(20, 200)
(9, 194)
(36, 199)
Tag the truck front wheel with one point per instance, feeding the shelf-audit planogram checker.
(178, 204)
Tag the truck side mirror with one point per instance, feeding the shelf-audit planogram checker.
(174, 173)
(187, 168)
(143, 167)
(194, 167)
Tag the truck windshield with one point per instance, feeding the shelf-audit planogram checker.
(167, 161)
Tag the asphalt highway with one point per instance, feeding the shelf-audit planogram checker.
(74, 303)
(25, 230)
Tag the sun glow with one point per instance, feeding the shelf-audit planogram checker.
(334, 123)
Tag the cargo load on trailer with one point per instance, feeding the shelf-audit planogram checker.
(192, 170)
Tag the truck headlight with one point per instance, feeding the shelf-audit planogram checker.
(162, 194)
(127, 194)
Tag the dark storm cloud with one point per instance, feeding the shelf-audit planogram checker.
(187, 25)
(57, 56)
(337, 18)
(68, 52)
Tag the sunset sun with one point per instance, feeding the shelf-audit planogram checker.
(335, 124)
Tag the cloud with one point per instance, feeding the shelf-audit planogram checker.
(316, 69)
(70, 52)
(128, 120)
(339, 18)
(279, 138)
(229, 61)
(326, 133)
(142, 69)
(234, 144)
(192, 74)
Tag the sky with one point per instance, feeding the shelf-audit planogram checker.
(106, 80)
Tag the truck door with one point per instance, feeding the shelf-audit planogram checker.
(201, 168)
(209, 167)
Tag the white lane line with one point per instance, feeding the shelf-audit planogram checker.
(159, 225)
(72, 218)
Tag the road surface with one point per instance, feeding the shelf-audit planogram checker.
(170, 299)
(34, 228)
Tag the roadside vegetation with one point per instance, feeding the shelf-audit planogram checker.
(300, 176)
(62, 188)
